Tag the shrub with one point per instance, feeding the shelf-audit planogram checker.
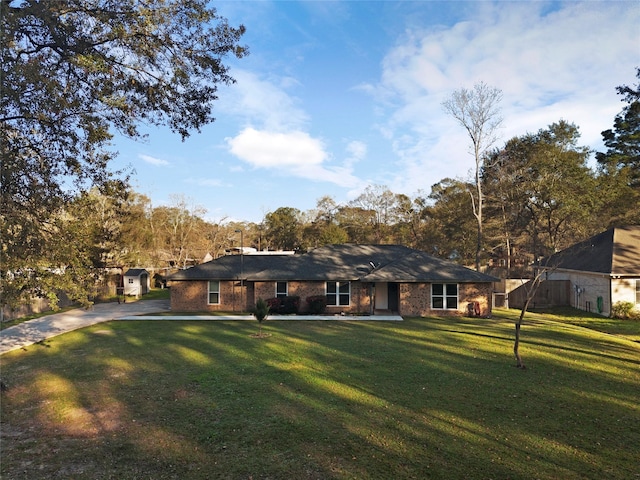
(624, 310)
(289, 305)
(317, 304)
(284, 305)
(274, 304)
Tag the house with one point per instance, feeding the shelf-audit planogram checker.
(355, 279)
(136, 282)
(601, 271)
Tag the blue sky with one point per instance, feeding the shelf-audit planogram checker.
(335, 96)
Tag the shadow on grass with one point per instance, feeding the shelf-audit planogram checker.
(425, 398)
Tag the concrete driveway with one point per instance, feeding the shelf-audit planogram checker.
(33, 331)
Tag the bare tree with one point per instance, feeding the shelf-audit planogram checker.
(478, 112)
(175, 228)
(542, 269)
(380, 203)
(530, 288)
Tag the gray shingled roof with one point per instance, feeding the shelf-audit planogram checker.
(614, 252)
(135, 272)
(375, 263)
(228, 267)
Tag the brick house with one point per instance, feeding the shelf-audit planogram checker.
(355, 279)
(601, 271)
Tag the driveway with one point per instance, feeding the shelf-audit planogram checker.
(33, 331)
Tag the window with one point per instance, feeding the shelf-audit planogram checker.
(281, 289)
(444, 296)
(338, 293)
(214, 292)
(131, 281)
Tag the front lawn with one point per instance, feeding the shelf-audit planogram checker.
(425, 398)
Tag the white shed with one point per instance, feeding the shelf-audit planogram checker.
(136, 282)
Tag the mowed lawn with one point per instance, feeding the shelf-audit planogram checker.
(425, 398)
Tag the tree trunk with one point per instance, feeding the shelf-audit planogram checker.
(516, 346)
(478, 213)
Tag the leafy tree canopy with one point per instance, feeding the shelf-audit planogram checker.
(623, 141)
(72, 74)
(282, 228)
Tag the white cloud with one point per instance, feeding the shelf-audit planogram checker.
(552, 61)
(274, 149)
(275, 135)
(356, 151)
(295, 153)
(264, 102)
(153, 160)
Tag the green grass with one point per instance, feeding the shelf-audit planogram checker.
(431, 398)
(629, 328)
(157, 294)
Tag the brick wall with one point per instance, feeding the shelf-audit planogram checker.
(359, 295)
(415, 299)
(193, 296)
(303, 290)
(476, 292)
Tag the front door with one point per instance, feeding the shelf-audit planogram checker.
(393, 295)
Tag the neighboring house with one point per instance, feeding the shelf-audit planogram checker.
(359, 279)
(602, 270)
(136, 282)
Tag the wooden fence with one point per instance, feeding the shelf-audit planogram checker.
(550, 293)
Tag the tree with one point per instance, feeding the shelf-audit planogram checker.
(379, 201)
(620, 163)
(260, 311)
(560, 188)
(451, 223)
(507, 216)
(358, 222)
(136, 238)
(531, 288)
(623, 141)
(618, 200)
(78, 239)
(542, 187)
(477, 111)
(175, 229)
(74, 72)
(323, 228)
(283, 228)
